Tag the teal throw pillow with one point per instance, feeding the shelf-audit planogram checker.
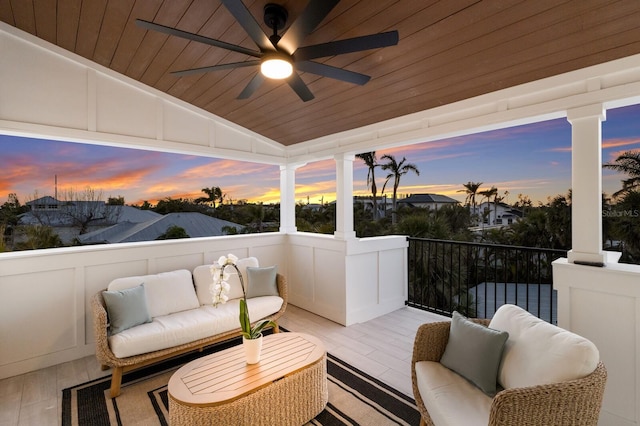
(262, 281)
(126, 308)
(474, 352)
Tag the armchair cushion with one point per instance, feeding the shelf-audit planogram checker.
(474, 351)
(539, 353)
(451, 399)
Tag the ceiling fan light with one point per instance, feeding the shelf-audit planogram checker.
(276, 68)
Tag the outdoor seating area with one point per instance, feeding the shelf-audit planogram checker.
(90, 73)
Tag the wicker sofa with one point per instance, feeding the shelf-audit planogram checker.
(182, 318)
(534, 384)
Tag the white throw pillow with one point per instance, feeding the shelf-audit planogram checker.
(203, 279)
(166, 292)
(538, 353)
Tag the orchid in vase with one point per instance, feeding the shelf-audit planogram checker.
(220, 290)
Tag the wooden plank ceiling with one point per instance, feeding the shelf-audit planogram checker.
(448, 50)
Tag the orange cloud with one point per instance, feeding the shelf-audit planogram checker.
(614, 143)
(224, 168)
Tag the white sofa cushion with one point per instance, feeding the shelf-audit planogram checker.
(166, 292)
(449, 398)
(184, 327)
(538, 353)
(203, 280)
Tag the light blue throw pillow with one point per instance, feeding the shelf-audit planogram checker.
(126, 308)
(474, 352)
(262, 281)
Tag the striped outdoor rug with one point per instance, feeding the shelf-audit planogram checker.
(355, 398)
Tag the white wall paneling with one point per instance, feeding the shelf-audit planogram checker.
(603, 304)
(45, 315)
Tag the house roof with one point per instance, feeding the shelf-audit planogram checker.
(47, 200)
(507, 209)
(194, 224)
(449, 50)
(427, 199)
(60, 217)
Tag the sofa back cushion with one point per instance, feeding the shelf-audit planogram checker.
(166, 292)
(538, 353)
(203, 280)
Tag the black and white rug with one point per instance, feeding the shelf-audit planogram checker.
(355, 398)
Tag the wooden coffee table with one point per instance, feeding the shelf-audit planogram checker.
(287, 387)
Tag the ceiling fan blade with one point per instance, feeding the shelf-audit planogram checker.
(332, 72)
(248, 22)
(300, 87)
(349, 45)
(195, 37)
(253, 85)
(219, 67)
(311, 16)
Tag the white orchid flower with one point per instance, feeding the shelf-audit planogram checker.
(220, 287)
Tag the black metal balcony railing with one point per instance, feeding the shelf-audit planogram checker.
(476, 279)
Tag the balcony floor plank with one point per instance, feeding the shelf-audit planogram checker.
(380, 347)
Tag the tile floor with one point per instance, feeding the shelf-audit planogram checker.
(381, 347)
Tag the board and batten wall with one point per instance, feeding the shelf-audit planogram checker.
(45, 313)
(603, 305)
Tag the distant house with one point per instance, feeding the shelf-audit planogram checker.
(427, 201)
(68, 218)
(499, 214)
(114, 223)
(383, 203)
(194, 224)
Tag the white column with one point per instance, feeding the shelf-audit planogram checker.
(586, 184)
(344, 196)
(288, 198)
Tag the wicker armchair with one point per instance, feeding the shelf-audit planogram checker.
(575, 402)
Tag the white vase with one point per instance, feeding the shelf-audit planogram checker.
(252, 349)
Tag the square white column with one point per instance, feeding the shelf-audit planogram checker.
(288, 198)
(586, 185)
(344, 196)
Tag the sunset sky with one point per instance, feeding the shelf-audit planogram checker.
(534, 160)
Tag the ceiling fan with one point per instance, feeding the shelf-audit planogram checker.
(280, 55)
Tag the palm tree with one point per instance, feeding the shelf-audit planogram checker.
(213, 194)
(628, 162)
(396, 171)
(471, 189)
(369, 159)
(488, 193)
